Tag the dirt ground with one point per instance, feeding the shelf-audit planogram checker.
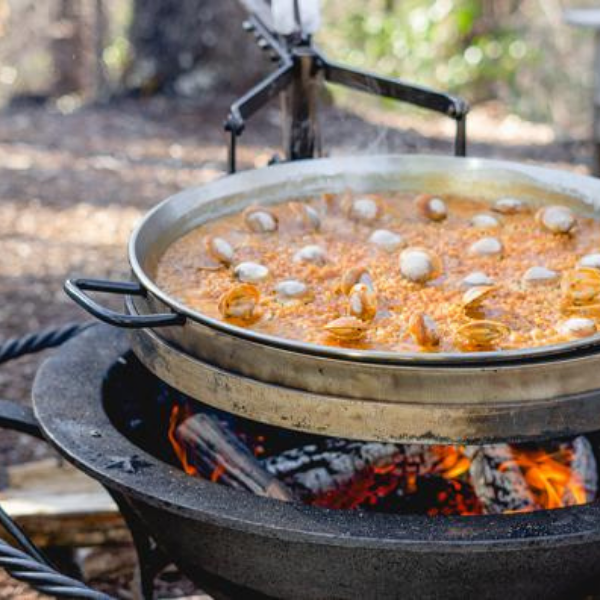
(72, 186)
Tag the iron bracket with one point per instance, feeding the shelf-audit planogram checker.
(301, 70)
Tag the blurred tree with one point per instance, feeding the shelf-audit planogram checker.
(77, 44)
(189, 46)
(67, 48)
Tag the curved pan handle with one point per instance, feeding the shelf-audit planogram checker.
(76, 288)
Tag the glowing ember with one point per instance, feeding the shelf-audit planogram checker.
(409, 478)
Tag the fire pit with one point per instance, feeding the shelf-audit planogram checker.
(247, 497)
(92, 402)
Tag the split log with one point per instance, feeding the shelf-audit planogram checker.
(498, 482)
(325, 466)
(218, 455)
(346, 474)
(584, 464)
(511, 479)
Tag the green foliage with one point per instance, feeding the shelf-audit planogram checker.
(454, 44)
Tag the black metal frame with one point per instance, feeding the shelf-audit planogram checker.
(301, 69)
(29, 564)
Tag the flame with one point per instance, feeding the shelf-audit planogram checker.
(177, 416)
(552, 479)
(453, 462)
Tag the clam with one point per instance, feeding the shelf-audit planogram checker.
(577, 328)
(509, 206)
(423, 330)
(587, 310)
(539, 276)
(431, 208)
(347, 328)
(474, 297)
(580, 286)
(485, 221)
(557, 219)
(364, 210)
(219, 249)
(420, 265)
(482, 333)
(362, 302)
(477, 279)
(311, 254)
(260, 220)
(251, 272)
(590, 260)
(488, 246)
(306, 215)
(291, 290)
(386, 240)
(354, 276)
(240, 302)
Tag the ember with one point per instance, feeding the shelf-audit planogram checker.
(409, 478)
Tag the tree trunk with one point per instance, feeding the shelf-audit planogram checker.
(68, 48)
(78, 33)
(190, 46)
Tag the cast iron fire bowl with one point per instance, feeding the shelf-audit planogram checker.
(264, 547)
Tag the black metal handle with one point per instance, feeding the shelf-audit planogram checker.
(76, 288)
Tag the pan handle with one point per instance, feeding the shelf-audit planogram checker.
(76, 288)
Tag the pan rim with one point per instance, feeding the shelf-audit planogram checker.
(562, 180)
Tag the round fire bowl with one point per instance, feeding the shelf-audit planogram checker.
(264, 547)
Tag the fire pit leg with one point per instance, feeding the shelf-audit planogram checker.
(151, 560)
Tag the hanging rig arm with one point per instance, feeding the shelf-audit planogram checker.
(301, 69)
(270, 87)
(452, 106)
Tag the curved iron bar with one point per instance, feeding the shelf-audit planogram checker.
(19, 535)
(42, 577)
(30, 565)
(36, 342)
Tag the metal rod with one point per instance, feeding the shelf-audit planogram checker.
(460, 141)
(396, 89)
(301, 129)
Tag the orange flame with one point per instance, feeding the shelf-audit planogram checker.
(177, 416)
(551, 477)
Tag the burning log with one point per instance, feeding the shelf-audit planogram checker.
(207, 448)
(511, 479)
(498, 481)
(330, 464)
(346, 474)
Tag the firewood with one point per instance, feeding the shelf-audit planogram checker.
(337, 473)
(584, 464)
(218, 455)
(498, 482)
(519, 479)
(331, 464)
